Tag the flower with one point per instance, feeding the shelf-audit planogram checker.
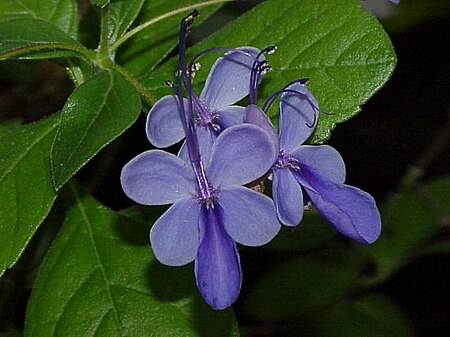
(318, 171)
(211, 209)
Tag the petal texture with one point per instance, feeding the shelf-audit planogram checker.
(255, 115)
(249, 217)
(241, 154)
(231, 115)
(175, 236)
(297, 117)
(287, 197)
(217, 266)
(163, 126)
(229, 78)
(157, 178)
(323, 159)
(206, 138)
(350, 210)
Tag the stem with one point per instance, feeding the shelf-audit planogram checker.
(103, 46)
(88, 54)
(137, 29)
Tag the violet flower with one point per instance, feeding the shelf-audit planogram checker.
(211, 209)
(318, 171)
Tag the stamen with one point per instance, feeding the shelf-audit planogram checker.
(259, 68)
(170, 84)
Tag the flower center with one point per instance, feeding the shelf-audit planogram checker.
(285, 160)
(207, 117)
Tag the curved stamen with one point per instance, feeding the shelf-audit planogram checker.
(210, 50)
(259, 68)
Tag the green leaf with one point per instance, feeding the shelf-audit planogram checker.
(96, 113)
(313, 232)
(374, 315)
(304, 285)
(150, 46)
(26, 189)
(61, 13)
(9, 125)
(339, 46)
(121, 14)
(26, 36)
(101, 3)
(98, 281)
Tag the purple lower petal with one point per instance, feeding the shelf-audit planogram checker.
(231, 115)
(229, 78)
(287, 196)
(350, 210)
(323, 159)
(217, 266)
(206, 138)
(249, 217)
(157, 178)
(241, 154)
(255, 115)
(163, 126)
(175, 235)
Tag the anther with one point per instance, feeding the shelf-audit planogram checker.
(271, 49)
(190, 17)
(170, 84)
(178, 73)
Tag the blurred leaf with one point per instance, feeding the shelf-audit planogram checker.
(26, 189)
(101, 3)
(374, 315)
(149, 47)
(339, 46)
(313, 232)
(121, 15)
(303, 285)
(95, 282)
(409, 220)
(9, 125)
(61, 13)
(96, 113)
(22, 36)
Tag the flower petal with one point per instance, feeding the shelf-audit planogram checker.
(350, 210)
(287, 197)
(323, 159)
(255, 115)
(175, 235)
(249, 217)
(163, 126)
(206, 138)
(231, 115)
(229, 78)
(240, 154)
(217, 266)
(157, 178)
(297, 117)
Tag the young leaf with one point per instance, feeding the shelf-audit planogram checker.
(25, 36)
(148, 47)
(26, 189)
(61, 13)
(121, 15)
(96, 113)
(371, 316)
(339, 46)
(98, 279)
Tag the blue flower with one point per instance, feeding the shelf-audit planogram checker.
(317, 172)
(211, 209)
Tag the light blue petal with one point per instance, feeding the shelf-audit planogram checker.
(249, 217)
(323, 159)
(350, 210)
(206, 138)
(163, 126)
(287, 196)
(255, 115)
(217, 265)
(229, 79)
(297, 117)
(175, 236)
(231, 115)
(157, 178)
(240, 154)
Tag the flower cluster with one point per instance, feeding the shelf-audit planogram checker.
(226, 148)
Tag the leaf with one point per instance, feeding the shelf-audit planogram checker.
(24, 36)
(9, 125)
(146, 49)
(101, 3)
(371, 316)
(61, 13)
(97, 112)
(303, 285)
(26, 189)
(121, 15)
(96, 282)
(339, 46)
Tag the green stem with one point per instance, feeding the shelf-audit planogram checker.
(103, 51)
(88, 54)
(137, 29)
